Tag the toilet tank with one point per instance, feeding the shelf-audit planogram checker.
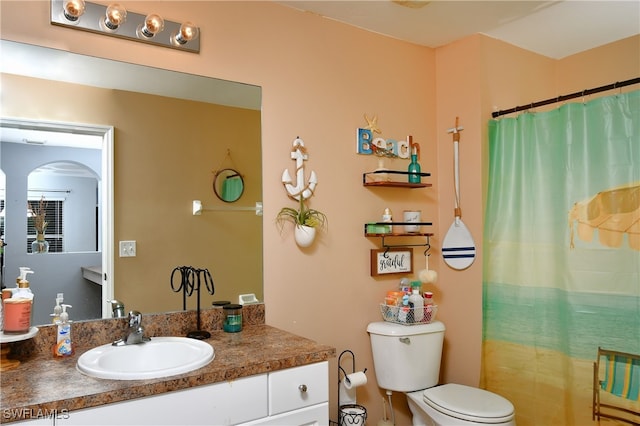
(406, 358)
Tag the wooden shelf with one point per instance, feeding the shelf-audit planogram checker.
(371, 180)
(390, 183)
(384, 235)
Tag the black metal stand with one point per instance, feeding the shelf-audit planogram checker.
(191, 280)
(349, 414)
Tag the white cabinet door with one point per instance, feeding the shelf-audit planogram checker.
(298, 387)
(316, 415)
(33, 422)
(225, 403)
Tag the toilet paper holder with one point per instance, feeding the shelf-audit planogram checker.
(351, 414)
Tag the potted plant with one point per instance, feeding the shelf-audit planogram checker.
(39, 214)
(305, 221)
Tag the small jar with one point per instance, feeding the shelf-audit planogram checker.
(232, 318)
(428, 298)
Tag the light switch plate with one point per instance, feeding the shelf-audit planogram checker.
(127, 248)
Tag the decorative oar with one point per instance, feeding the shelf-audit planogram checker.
(458, 248)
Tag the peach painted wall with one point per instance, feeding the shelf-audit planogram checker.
(600, 66)
(319, 77)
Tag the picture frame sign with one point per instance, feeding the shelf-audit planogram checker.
(391, 261)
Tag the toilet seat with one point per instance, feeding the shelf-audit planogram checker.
(467, 403)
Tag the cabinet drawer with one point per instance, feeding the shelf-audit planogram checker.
(287, 387)
(315, 415)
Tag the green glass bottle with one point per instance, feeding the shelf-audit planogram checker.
(414, 169)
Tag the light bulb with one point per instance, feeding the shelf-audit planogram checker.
(73, 9)
(153, 24)
(188, 31)
(116, 15)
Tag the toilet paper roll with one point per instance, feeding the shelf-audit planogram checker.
(354, 380)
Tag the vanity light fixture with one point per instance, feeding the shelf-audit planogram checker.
(114, 20)
(188, 31)
(116, 14)
(73, 9)
(152, 25)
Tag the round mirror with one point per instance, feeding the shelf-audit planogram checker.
(228, 185)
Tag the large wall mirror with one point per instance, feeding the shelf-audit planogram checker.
(160, 135)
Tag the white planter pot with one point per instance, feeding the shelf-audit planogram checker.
(304, 235)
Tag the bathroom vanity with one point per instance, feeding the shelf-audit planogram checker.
(259, 376)
(264, 399)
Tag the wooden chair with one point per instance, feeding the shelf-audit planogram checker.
(621, 378)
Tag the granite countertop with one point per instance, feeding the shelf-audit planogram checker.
(44, 384)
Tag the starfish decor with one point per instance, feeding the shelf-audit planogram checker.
(373, 124)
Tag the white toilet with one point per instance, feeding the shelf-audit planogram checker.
(407, 359)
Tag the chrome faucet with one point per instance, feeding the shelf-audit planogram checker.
(136, 331)
(117, 308)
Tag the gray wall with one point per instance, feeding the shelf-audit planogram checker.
(54, 272)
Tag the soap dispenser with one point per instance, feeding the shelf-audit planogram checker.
(17, 308)
(57, 310)
(63, 345)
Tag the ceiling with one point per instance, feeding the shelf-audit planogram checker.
(554, 29)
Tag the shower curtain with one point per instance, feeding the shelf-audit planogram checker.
(561, 250)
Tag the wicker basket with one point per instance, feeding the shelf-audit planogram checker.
(407, 317)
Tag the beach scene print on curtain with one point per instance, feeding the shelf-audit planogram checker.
(561, 272)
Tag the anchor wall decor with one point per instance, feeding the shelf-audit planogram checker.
(305, 220)
(300, 189)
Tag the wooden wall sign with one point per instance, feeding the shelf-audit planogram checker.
(391, 261)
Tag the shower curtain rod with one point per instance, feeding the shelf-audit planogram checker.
(562, 98)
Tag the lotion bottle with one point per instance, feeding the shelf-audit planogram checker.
(418, 303)
(403, 312)
(387, 217)
(63, 345)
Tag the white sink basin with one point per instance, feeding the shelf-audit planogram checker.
(161, 357)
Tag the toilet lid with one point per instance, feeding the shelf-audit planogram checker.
(467, 403)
